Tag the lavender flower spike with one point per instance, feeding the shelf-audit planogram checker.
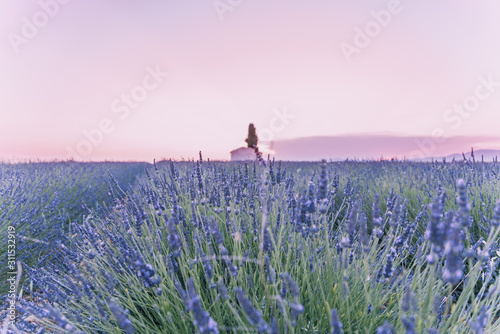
(436, 231)
(481, 322)
(335, 323)
(202, 319)
(291, 285)
(453, 272)
(254, 316)
(173, 239)
(463, 204)
(121, 317)
(495, 222)
(386, 328)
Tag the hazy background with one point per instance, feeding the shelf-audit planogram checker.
(261, 57)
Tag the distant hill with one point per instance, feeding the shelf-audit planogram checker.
(382, 146)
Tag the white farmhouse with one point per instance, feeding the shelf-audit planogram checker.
(243, 154)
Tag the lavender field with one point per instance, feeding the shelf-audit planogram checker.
(232, 166)
(268, 247)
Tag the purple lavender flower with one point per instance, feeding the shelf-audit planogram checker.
(409, 324)
(291, 285)
(335, 184)
(363, 234)
(207, 266)
(409, 303)
(495, 221)
(214, 228)
(376, 214)
(194, 219)
(61, 320)
(73, 287)
(121, 317)
(192, 302)
(348, 189)
(221, 288)
(173, 238)
(323, 181)
(274, 329)
(394, 221)
(146, 272)
(386, 328)
(453, 272)
(335, 323)
(391, 200)
(463, 204)
(481, 322)
(389, 268)
(271, 173)
(303, 217)
(271, 273)
(199, 177)
(267, 244)
(310, 204)
(436, 231)
(254, 316)
(232, 268)
(352, 223)
(259, 156)
(345, 287)
(249, 282)
(295, 310)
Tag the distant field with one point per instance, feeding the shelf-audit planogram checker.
(271, 247)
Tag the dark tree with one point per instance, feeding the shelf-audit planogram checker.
(252, 139)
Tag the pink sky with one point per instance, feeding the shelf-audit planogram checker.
(264, 56)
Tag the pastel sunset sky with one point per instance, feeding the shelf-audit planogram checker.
(196, 73)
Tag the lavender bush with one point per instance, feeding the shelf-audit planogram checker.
(209, 247)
